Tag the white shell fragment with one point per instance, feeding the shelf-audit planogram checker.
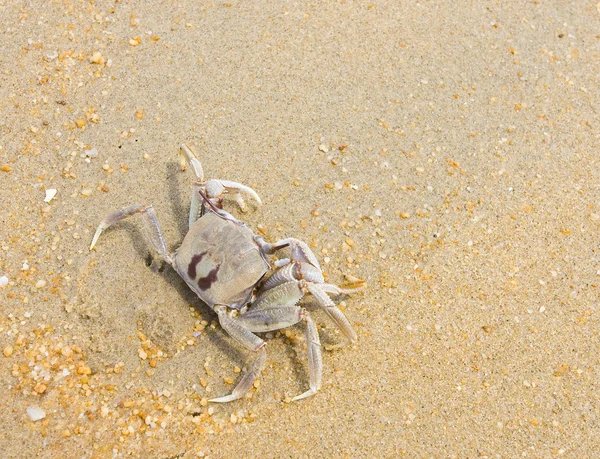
(50, 193)
(93, 153)
(3, 281)
(35, 413)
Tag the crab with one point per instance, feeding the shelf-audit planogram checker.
(226, 265)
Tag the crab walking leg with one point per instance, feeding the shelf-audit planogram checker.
(287, 273)
(271, 319)
(276, 309)
(333, 312)
(250, 341)
(335, 290)
(151, 228)
(287, 294)
(294, 271)
(196, 206)
(187, 156)
(215, 189)
(315, 361)
(247, 381)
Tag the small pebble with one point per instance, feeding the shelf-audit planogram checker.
(40, 388)
(40, 284)
(97, 58)
(35, 413)
(50, 193)
(7, 351)
(3, 281)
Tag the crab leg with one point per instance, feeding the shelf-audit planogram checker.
(276, 309)
(294, 271)
(287, 294)
(271, 319)
(250, 341)
(315, 362)
(151, 228)
(335, 290)
(247, 380)
(187, 156)
(332, 311)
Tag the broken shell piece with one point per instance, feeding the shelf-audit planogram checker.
(50, 193)
(93, 153)
(3, 281)
(352, 282)
(35, 413)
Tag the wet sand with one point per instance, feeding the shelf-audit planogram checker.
(447, 154)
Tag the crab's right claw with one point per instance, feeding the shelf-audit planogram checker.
(217, 188)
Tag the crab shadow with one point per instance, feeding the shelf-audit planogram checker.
(219, 340)
(176, 196)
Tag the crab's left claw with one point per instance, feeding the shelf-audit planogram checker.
(217, 188)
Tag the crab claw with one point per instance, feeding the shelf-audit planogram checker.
(217, 188)
(187, 156)
(299, 251)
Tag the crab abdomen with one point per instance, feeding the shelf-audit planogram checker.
(220, 261)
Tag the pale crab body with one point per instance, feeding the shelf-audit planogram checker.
(224, 263)
(219, 273)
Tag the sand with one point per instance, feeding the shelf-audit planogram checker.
(445, 153)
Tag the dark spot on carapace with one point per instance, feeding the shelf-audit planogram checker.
(192, 266)
(205, 282)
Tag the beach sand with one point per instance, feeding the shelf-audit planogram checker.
(445, 153)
